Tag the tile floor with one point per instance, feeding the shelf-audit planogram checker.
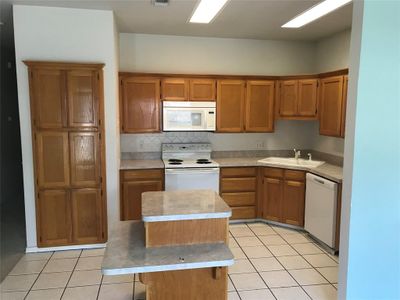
(270, 263)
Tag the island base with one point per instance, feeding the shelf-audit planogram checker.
(193, 284)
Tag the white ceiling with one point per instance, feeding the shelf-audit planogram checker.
(253, 19)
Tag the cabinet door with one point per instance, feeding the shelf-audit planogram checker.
(307, 98)
(54, 218)
(132, 197)
(202, 90)
(343, 122)
(230, 105)
(86, 216)
(52, 159)
(260, 106)
(175, 89)
(272, 205)
(331, 106)
(82, 89)
(288, 98)
(140, 105)
(293, 202)
(48, 98)
(84, 159)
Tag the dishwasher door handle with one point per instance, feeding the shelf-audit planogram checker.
(319, 181)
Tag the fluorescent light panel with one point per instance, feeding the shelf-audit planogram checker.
(315, 12)
(207, 10)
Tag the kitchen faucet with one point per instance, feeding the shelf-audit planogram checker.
(296, 154)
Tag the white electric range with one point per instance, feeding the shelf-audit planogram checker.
(189, 166)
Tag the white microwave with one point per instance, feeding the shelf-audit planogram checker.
(189, 116)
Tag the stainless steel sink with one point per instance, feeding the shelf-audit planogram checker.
(291, 162)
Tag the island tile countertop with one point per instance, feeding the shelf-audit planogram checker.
(126, 253)
(135, 164)
(183, 205)
(326, 170)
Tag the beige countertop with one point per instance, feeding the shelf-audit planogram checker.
(135, 164)
(183, 205)
(326, 170)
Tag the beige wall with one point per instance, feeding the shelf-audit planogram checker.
(169, 54)
(178, 54)
(332, 53)
(90, 37)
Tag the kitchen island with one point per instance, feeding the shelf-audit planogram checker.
(180, 249)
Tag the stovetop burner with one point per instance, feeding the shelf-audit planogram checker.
(175, 163)
(204, 162)
(175, 160)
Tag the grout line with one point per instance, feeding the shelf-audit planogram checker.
(101, 284)
(47, 262)
(258, 273)
(69, 279)
(276, 257)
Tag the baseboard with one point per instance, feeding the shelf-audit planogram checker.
(62, 248)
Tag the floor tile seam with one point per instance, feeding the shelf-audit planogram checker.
(312, 267)
(69, 279)
(37, 278)
(254, 269)
(289, 272)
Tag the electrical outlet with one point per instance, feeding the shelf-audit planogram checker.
(260, 144)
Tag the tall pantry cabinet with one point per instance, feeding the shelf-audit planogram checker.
(69, 152)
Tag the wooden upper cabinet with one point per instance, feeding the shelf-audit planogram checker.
(54, 218)
(48, 98)
(230, 105)
(293, 202)
(140, 105)
(202, 90)
(87, 216)
(273, 196)
(52, 159)
(175, 89)
(307, 97)
(259, 106)
(84, 159)
(82, 94)
(331, 106)
(288, 98)
(343, 122)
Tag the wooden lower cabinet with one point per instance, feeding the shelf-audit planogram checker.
(87, 216)
(272, 204)
(54, 218)
(284, 196)
(293, 202)
(133, 184)
(68, 217)
(238, 188)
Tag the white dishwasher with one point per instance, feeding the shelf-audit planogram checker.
(320, 210)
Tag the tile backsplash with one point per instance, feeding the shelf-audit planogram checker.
(152, 142)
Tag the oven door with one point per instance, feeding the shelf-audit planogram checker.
(192, 179)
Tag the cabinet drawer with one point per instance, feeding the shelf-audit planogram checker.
(239, 199)
(238, 184)
(295, 175)
(244, 212)
(238, 172)
(273, 172)
(142, 174)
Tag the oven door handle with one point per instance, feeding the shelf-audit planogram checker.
(192, 171)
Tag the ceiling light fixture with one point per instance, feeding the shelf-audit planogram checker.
(315, 12)
(206, 10)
